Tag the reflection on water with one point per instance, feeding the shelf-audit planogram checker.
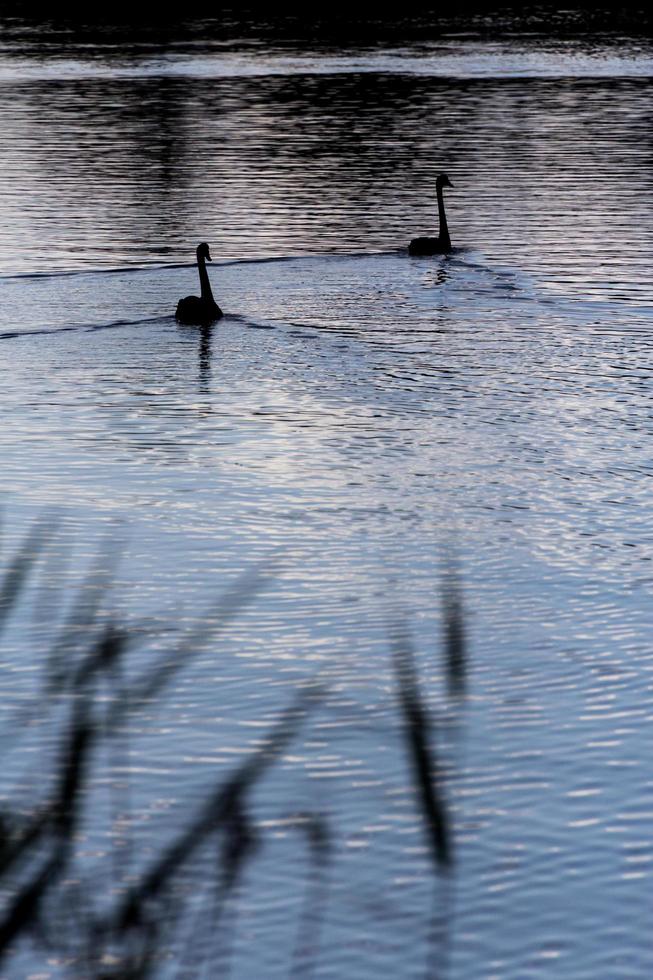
(548, 173)
(355, 414)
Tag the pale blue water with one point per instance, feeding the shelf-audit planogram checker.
(356, 417)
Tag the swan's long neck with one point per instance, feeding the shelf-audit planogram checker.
(444, 230)
(205, 285)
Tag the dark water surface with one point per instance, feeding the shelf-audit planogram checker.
(356, 416)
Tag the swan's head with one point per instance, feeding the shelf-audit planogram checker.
(203, 251)
(443, 181)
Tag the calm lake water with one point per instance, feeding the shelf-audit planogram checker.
(357, 418)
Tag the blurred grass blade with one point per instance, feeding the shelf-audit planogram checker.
(455, 653)
(421, 755)
(16, 576)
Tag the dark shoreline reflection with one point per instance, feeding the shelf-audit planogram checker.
(321, 24)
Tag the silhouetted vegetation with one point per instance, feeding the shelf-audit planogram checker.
(147, 917)
(336, 21)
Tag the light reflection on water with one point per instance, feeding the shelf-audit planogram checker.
(548, 173)
(449, 58)
(498, 398)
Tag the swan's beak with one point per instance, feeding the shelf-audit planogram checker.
(208, 256)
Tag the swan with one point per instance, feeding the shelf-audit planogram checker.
(441, 244)
(203, 308)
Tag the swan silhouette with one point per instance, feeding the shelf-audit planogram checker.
(203, 308)
(441, 244)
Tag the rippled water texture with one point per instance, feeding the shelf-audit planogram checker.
(357, 417)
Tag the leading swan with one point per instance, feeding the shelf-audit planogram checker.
(203, 308)
(441, 244)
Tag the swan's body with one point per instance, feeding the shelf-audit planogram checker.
(441, 244)
(203, 308)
